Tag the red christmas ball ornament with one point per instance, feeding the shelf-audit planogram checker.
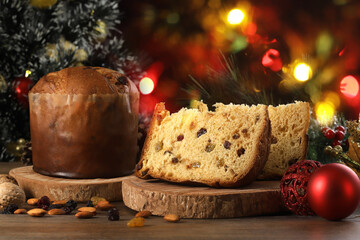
(294, 186)
(21, 87)
(334, 191)
(339, 135)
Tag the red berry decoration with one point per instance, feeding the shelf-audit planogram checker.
(329, 134)
(339, 135)
(340, 128)
(334, 191)
(294, 186)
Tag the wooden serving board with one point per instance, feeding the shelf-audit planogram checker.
(161, 198)
(81, 190)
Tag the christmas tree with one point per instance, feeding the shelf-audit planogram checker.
(42, 36)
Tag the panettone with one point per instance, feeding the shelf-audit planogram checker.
(225, 148)
(289, 141)
(83, 123)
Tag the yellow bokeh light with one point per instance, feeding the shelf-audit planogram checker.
(325, 112)
(302, 72)
(235, 16)
(27, 73)
(146, 85)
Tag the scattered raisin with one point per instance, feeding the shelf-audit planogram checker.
(202, 131)
(113, 214)
(240, 151)
(180, 137)
(44, 202)
(244, 131)
(174, 160)
(236, 136)
(159, 146)
(227, 144)
(209, 147)
(70, 206)
(136, 222)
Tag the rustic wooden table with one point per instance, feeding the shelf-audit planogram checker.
(265, 227)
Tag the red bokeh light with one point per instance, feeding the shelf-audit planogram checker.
(272, 60)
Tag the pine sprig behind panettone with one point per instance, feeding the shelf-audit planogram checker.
(235, 85)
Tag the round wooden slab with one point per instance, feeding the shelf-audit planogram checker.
(161, 198)
(81, 190)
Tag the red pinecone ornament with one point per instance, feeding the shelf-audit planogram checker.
(294, 187)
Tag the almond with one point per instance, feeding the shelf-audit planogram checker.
(60, 202)
(56, 211)
(87, 209)
(36, 212)
(143, 214)
(32, 201)
(84, 215)
(104, 206)
(20, 211)
(172, 218)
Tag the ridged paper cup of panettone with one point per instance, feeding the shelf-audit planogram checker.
(84, 123)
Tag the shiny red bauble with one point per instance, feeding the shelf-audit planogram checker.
(21, 87)
(334, 191)
(293, 186)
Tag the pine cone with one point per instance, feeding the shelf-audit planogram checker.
(26, 157)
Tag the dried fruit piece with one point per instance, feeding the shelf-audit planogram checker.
(171, 218)
(60, 202)
(174, 160)
(32, 201)
(236, 136)
(36, 212)
(84, 215)
(209, 147)
(240, 151)
(56, 211)
(20, 211)
(227, 144)
(159, 146)
(143, 214)
(44, 202)
(97, 199)
(113, 214)
(87, 209)
(202, 131)
(220, 163)
(136, 222)
(180, 137)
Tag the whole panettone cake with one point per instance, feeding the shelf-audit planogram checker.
(83, 123)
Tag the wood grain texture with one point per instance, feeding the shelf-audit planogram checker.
(81, 190)
(161, 198)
